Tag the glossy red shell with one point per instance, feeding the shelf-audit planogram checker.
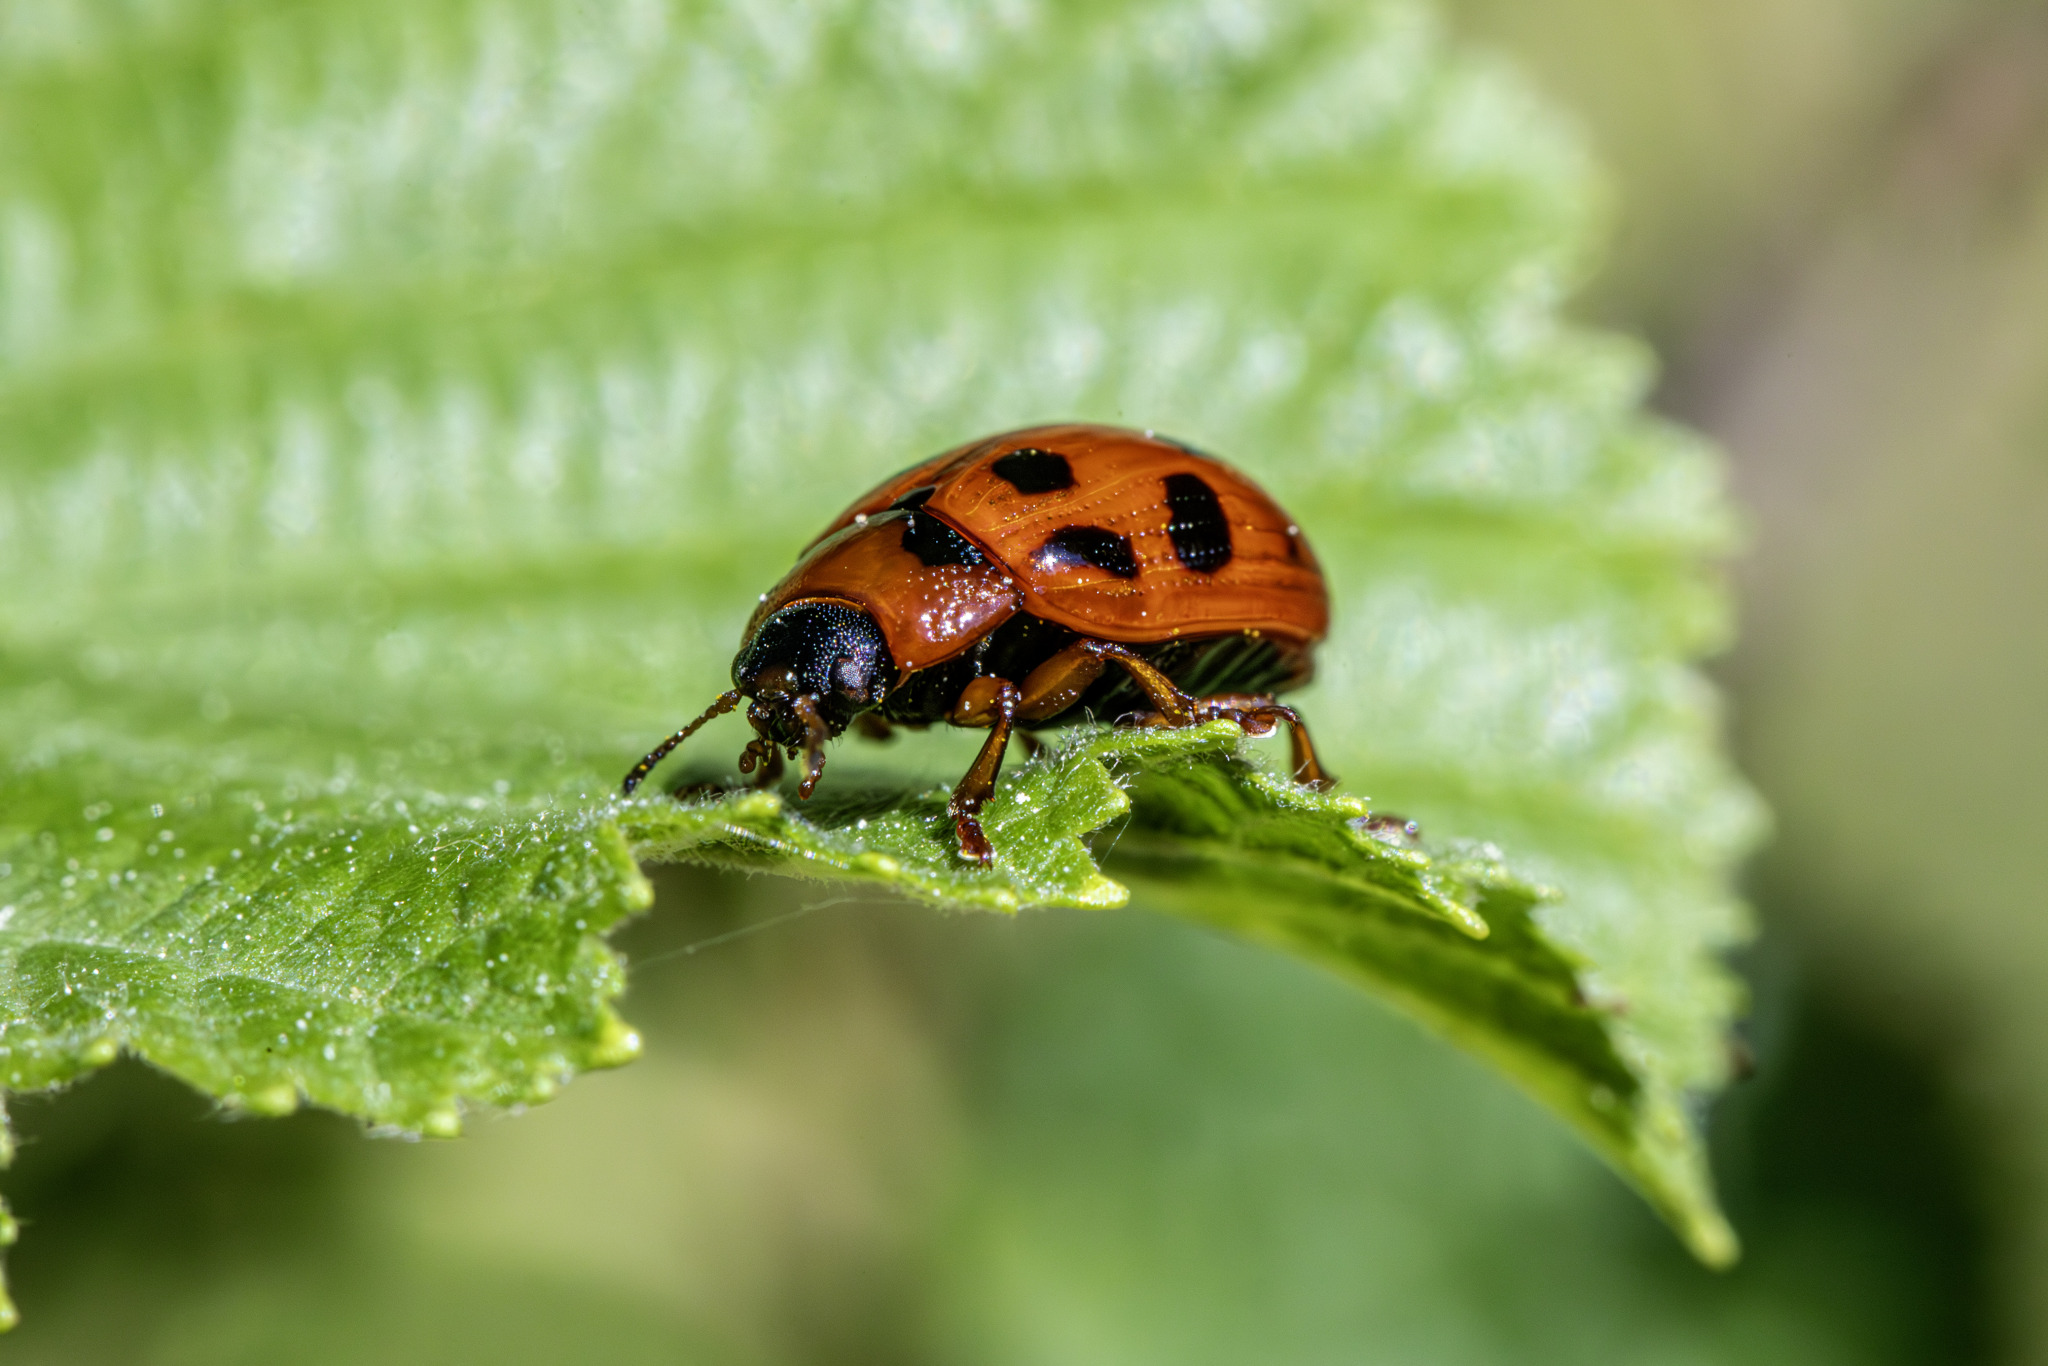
(927, 614)
(1270, 583)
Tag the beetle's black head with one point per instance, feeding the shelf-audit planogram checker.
(825, 658)
(807, 671)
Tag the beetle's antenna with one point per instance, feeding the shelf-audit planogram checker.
(725, 703)
(815, 736)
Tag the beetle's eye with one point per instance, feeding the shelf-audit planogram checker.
(850, 678)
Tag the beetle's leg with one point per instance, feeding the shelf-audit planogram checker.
(1307, 771)
(767, 757)
(1258, 714)
(872, 725)
(990, 702)
(1058, 683)
(815, 736)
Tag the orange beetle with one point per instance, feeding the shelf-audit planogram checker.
(994, 585)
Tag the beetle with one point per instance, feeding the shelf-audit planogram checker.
(996, 585)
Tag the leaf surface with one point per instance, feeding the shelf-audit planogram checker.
(400, 412)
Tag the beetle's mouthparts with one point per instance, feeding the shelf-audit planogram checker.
(794, 724)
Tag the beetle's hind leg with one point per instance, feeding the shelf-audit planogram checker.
(1058, 683)
(1257, 715)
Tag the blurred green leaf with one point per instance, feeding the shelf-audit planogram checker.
(400, 410)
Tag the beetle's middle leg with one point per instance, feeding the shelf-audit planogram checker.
(1058, 683)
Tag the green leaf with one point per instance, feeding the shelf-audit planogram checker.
(401, 409)
(375, 965)
(1193, 780)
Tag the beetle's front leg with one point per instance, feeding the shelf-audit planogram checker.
(760, 754)
(990, 702)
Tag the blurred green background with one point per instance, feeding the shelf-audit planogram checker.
(863, 1133)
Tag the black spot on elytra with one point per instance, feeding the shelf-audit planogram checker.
(935, 543)
(1073, 546)
(928, 538)
(1198, 529)
(1031, 470)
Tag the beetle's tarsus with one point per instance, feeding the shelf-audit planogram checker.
(974, 845)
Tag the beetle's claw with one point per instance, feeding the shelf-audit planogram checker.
(813, 770)
(974, 845)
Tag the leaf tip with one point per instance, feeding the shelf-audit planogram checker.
(442, 1122)
(1102, 893)
(617, 1043)
(1468, 921)
(271, 1101)
(1713, 1240)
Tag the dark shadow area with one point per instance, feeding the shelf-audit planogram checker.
(1853, 1127)
(132, 1191)
(134, 1149)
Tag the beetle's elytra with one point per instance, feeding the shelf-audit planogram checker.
(994, 585)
